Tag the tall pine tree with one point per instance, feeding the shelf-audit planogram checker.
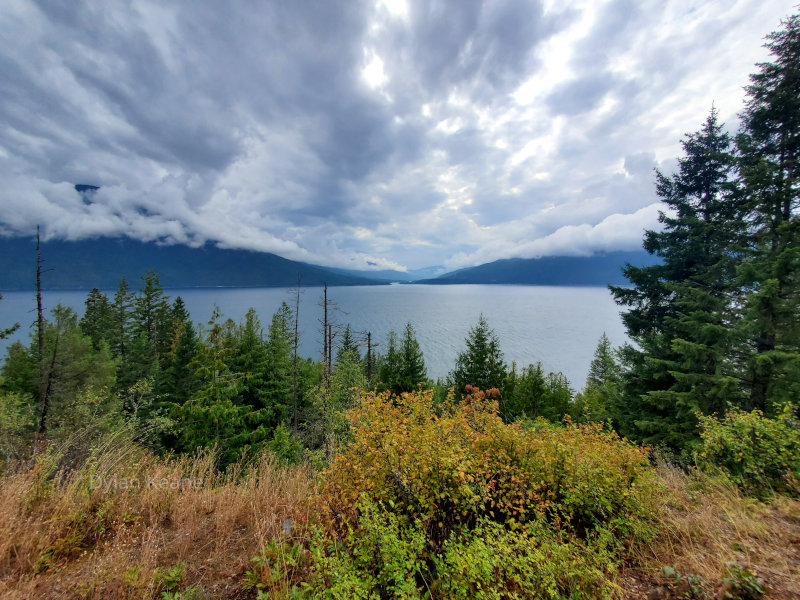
(680, 309)
(770, 171)
(481, 364)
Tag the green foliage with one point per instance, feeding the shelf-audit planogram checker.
(327, 425)
(680, 310)
(769, 145)
(20, 371)
(285, 445)
(481, 364)
(604, 367)
(178, 382)
(97, 320)
(493, 562)
(279, 571)
(412, 363)
(381, 558)
(277, 392)
(741, 584)
(168, 579)
(440, 498)
(533, 394)
(601, 399)
(211, 417)
(17, 424)
(348, 346)
(758, 453)
(402, 369)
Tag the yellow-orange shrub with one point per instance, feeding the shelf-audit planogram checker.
(449, 466)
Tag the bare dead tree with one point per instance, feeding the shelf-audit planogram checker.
(296, 343)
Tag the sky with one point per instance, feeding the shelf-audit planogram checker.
(367, 135)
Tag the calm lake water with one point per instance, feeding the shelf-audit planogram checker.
(559, 326)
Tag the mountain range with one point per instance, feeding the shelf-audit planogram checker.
(102, 262)
(598, 269)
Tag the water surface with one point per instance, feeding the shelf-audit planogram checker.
(558, 326)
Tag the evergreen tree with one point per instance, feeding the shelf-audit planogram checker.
(481, 364)
(97, 320)
(601, 398)
(20, 371)
(770, 171)
(151, 318)
(277, 393)
(211, 417)
(532, 394)
(412, 363)
(179, 382)
(121, 317)
(604, 367)
(680, 309)
(248, 360)
(347, 347)
(390, 365)
(77, 378)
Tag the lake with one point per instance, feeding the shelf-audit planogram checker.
(559, 326)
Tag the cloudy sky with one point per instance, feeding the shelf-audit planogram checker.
(379, 134)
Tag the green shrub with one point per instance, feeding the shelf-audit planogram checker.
(758, 453)
(448, 499)
(493, 562)
(452, 466)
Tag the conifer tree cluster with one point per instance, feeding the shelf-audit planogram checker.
(715, 324)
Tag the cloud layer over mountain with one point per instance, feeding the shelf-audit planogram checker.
(361, 134)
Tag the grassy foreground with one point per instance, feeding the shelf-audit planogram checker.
(421, 501)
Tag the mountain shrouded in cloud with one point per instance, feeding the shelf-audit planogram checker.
(366, 135)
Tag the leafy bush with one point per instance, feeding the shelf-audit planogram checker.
(758, 453)
(422, 484)
(492, 562)
(453, 466)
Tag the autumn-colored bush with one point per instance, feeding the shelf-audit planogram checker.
(760, 454)
(458, 463)
(432, 482)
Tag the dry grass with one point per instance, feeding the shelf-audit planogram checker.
(707, 525)
(62, 537)
(81, 534)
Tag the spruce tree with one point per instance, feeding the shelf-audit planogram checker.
(481, 364)
(151, 316)
(390, 365)
(179, 382)
(211, 417)
(679, 313)
(348, 346)
(600, 399)
(277, 392)
(770, 171)
(412, 362)
(604, 367)
(121, 321)
(97, 320)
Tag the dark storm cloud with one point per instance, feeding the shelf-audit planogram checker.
(360, 133)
